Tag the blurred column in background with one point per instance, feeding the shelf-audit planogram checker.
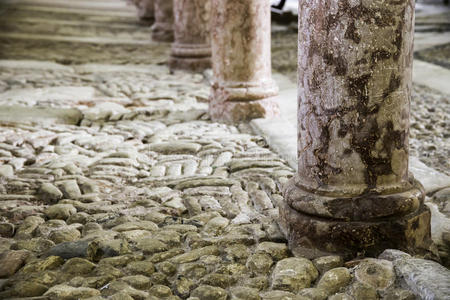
(241, 56)
(162, 30)
(192, 48)
(145, 9)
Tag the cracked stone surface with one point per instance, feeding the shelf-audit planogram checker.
(144, 197)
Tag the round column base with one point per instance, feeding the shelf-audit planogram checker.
(162, 32)
(351, 203)
(190, 57)
(311, 236)
(236, 102)
(232, 112)
(243, 91)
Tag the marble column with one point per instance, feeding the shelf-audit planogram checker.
(353, 194)
(242, 88)
(192, 48)
(162, 29)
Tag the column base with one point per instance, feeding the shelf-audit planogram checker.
(311, 236)
(243, 91)
(162, 32)
(232, 112)
(194, 58)
(243, 101)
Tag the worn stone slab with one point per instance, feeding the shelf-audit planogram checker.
(287, 100)
(84, 23)
(81, 11)
(106, 68)
(424, 40)
(425, 278)
(432, 76)
(34, 65)
(109, 5)
(77, 39)
(430, 9)
(284, 141)
(32, 96)
(283, 82)
(281, 135)
(431, 179)
(440, 225)
(41, 115)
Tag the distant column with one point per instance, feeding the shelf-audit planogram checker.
(192, 48)
(241, 56)
(162, 30)
(353, 193)
(146, 10)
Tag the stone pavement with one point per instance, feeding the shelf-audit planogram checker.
(115, 184)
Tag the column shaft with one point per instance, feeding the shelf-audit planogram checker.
(353, 193)
(192, 48)
(162, 30)
(241, 56)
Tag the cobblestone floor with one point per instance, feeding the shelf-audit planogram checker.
(143, 197)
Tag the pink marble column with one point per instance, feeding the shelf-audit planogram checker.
(192, 48)
(241, 54)
(162, 29)
(353, 194)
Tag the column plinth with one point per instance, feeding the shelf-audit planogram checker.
(319, 225)
(242, 88)
(353, 194)
(192, 48)
(162, 29)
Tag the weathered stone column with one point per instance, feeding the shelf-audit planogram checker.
(162, 30)
(192, 48)
(241, 57)
(352, 193)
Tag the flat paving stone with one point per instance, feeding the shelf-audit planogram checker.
(427, 279)
(34, 65)
(42, 115)
(32, 97)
